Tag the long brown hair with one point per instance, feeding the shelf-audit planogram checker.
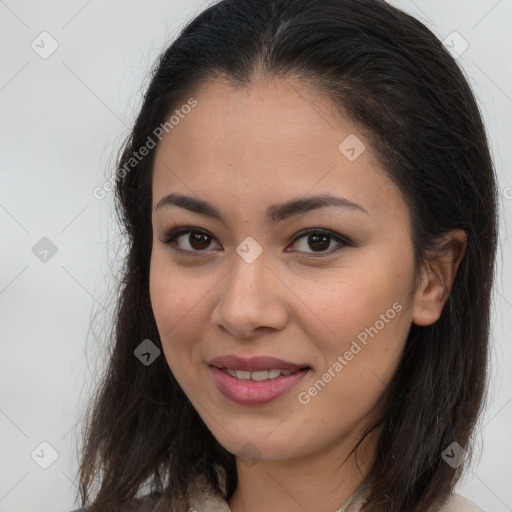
(388, 73)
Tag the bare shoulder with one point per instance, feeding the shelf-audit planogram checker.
(458, 503)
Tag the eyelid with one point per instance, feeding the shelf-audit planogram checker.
(322, 231)
(341, 240)
(171, 235)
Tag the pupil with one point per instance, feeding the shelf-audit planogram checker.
(321, 241)
(199, 240)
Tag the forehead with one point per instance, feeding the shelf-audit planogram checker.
(260, 141)
(277, 118)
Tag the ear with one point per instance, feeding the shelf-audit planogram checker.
(437, 279)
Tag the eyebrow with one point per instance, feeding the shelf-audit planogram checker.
(275, 212)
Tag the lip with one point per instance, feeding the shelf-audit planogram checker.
(250, 392)
(252, 364)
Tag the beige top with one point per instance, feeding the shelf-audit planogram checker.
(205, 500)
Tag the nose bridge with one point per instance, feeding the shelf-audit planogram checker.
(246, 283)
(250, 297)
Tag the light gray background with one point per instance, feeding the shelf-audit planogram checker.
(61, 120)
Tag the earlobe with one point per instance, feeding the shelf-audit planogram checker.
(438, 277)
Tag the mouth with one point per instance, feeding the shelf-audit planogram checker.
(257, 380)
(260, 375)
(256, 368)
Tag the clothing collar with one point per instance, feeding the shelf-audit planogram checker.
(203, 497)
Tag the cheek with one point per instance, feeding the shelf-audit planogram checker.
(172, 302)
(174, 292)
(163, 295)
(369, 312)
(362, 360)
(357, 301)
(179, 299)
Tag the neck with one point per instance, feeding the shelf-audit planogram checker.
(316, 483)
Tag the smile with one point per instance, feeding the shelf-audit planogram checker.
(258, 387)
(257, 376)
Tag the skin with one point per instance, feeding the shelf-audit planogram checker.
(244, 150)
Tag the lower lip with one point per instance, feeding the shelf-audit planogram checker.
(250, 392)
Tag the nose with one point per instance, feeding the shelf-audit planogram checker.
(252, 300)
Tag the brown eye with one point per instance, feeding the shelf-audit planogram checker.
(189, 240)
(199, 241)
(319, 241)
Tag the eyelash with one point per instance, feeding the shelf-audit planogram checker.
(171, 236)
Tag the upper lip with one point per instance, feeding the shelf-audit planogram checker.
(251, 364)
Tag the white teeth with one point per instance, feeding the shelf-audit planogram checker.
(260, 375)
(257, 376)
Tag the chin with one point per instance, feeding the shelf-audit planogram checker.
(258, 445)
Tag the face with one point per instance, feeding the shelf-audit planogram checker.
(244, 281)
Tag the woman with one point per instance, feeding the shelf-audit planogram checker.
(303, 323)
